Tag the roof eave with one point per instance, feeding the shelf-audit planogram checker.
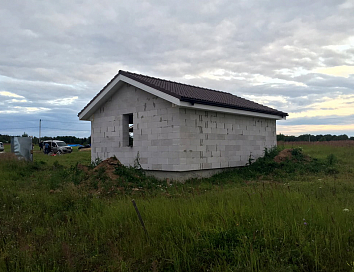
(233, 109)
(99, 99)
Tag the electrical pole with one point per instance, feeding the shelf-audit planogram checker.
(40, 124)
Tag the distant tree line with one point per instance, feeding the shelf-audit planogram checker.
(68, 139)
(35, 140)
(5, 138)
(313, 138)
(280, 137)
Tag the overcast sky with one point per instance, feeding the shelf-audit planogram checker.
(295, 56)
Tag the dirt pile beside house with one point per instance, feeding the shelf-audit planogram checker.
(101, 179)
(109, 165)
(110, 177)
(294, 154)
(283, 155)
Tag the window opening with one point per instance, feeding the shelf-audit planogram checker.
(128, 129)
(131, 128)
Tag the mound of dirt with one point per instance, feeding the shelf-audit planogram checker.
(284, 155)
(109, 166)
(287, 154)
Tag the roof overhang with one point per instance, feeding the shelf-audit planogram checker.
(230, 110)
(112, 87)
(118, 81)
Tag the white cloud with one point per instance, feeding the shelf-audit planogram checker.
(218, 74)
(63, 101)
(347, 44)
(294, 72)
(339, 71)
(266, 99)
(17, 101)
(24, 110)
(8, 112)
(262, 80)
(9, 94)
(19, 109)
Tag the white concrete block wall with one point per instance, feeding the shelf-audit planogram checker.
(176, 139)
(156, 130)
(222, 140)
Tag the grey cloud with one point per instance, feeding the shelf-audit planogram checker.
(73, 48)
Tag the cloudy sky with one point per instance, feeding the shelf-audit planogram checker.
(295, 56)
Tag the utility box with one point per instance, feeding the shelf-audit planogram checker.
(22, 147)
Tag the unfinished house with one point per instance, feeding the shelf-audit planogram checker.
(176, 130)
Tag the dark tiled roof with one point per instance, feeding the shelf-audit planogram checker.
(193, 94)
(200, 95)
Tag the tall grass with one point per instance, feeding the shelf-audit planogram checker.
(251, 219)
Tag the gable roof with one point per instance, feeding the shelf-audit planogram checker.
(188, 93)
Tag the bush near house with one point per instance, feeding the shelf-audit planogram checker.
(290, 211)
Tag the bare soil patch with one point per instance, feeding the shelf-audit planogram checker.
(7, 156)
(287, 154)
(284, 155)
(109, 166)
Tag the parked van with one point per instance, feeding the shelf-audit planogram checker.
(57, 147)
(1, 147)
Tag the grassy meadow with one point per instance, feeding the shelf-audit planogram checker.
(65, 213)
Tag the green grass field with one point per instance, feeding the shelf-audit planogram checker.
(297, 215)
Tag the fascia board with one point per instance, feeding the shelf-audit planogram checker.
(228, 110)
(94, 105)
(151, 90)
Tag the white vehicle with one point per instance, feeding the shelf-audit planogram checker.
(1, 147)
(57, 147)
